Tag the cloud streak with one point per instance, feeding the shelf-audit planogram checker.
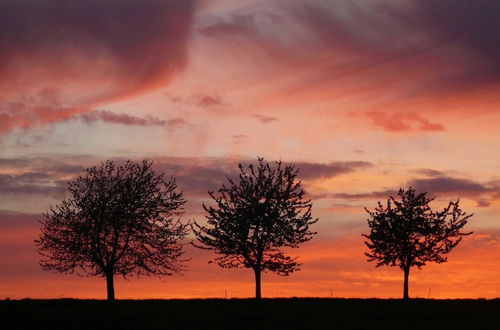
(32, 183)
(438, 185)
(123, 119)
(314, 171)
(130, 120)
(196, 176)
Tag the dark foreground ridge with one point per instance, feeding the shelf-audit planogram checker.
(294, 313)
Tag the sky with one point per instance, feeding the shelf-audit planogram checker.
(363, 96)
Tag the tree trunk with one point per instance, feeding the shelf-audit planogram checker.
(258, 294)
(110, 285)
(406, 296)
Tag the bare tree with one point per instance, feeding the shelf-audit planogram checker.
(255, 217)
(407, 232)
(118, 220)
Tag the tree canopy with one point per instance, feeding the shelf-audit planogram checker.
(406, 232)
(256, 216)
(117, 220)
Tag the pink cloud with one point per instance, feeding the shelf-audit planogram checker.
(69, 57)
(402, 122)
(265, 119)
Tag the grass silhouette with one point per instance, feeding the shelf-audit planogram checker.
(292, 313)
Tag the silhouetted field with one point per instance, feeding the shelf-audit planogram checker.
(238, 314)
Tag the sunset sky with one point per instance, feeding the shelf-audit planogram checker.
(363, 96)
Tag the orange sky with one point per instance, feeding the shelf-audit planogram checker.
(364, 97)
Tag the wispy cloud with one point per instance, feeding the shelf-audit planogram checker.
(439, 185)
(123, 119)
(130, 120)
(313, 171)
(265, 119)
(402, 122)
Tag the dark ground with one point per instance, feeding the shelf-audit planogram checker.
(249, 314)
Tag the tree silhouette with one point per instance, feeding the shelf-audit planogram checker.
(118, 220)
(255, 217)
(407, 232)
